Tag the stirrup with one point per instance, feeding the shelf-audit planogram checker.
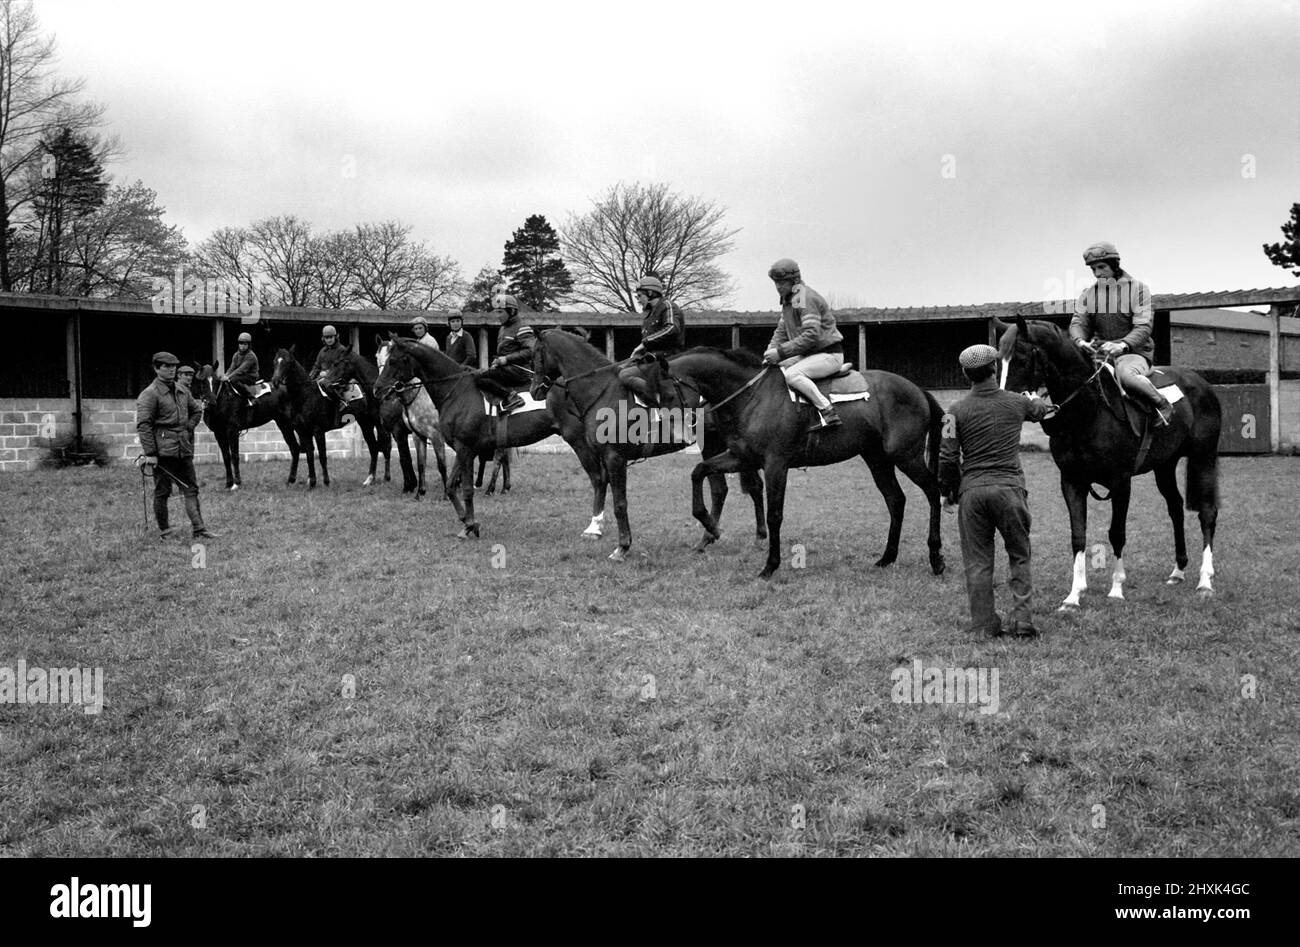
(511, 403)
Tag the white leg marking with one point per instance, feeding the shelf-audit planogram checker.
(1175, 577)
(596, 527)
(1117, 579)
(1207, 571)
(1080, 584)
(368, 481)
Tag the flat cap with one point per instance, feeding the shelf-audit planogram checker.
(165, 358)
(977, 356)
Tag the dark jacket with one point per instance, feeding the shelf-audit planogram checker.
(515, 342)
(463, 351)
(165, 418)
(664, 328)
(244, 368)
(326, 359)
(984, 427)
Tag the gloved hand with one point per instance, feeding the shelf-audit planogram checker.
(499, 362)
(1113, 349)
(771, 357)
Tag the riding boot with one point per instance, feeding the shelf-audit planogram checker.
(639, 386)
(1164, 410)
(515, 400)
(826, 417)
(160, 514)
(196, 518)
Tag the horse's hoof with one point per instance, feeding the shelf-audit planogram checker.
(1067, 608)
(590, 536)
(1205, 593)
(234, 487)
(368, 481)
(1174, 581)
(767, 572)
(505, 490)
(618, 555)
(885, 561)
(938, 565)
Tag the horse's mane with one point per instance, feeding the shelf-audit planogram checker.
(574, 342)
(742, 357)
(424, 355)
(364, 368)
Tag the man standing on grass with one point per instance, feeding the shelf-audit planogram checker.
(165, 418)
(979, 467)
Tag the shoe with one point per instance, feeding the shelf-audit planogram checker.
(1022, 629)
(824, 419)
(992, 630)
(167, 533)
(204, 533)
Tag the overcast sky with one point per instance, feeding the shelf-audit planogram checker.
(905, 153)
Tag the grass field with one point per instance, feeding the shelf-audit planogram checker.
(521, 695)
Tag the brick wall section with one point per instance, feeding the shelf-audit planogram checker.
(1289, 412)
(28, 425)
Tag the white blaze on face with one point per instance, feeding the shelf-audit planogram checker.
(1006, 370)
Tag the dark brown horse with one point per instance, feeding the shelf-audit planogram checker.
(581, 385)
(763, 429)
(228, 414)
(312, 412)
(1093, 443)
(365, 410)
(462, 418)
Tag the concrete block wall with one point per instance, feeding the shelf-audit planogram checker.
(1289, 412)
(28, 426)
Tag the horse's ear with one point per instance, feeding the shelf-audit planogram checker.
(379, 341)
(1022, 329)
(392, 336)
(293, 349)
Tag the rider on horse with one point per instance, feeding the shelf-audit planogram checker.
(514, 350)
(244, 371)
(663, 332)
(806, 344)
(1115, 311)
(331, 354)
(420, 327)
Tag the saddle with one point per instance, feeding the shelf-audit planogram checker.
(1138, 413)
(262, 387)
(845, 385)
(492, 405)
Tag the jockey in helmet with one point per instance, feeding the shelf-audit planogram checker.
(420, 327)
(243, 370)
(663, 332)
(806, 344)
(1114, 315)
(515, 344)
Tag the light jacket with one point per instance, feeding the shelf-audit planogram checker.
(1116, 310)
(244, 368)
(807, 325)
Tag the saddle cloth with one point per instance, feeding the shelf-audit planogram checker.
(845, 385)
(493, 410)
(262, 387)
(1138, 410)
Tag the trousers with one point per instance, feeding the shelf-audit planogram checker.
(800, 373)
(983, 512)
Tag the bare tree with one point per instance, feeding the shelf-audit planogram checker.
(279, 249)
(330, 260)
(34, 106)
(390, 271)
(124, 244)
(225, 255)
(633, 230)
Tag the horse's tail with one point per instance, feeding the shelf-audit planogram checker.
(1202, 475)
(934, 434)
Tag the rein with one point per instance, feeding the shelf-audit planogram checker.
(745, 387)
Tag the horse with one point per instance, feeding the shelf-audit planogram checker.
(312, 412)
(763, 428)
(462, 416)
(590, 394)
(1093, 443)
(406, 412)
(227, 414)
(365, 410)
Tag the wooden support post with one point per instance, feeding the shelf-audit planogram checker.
(218, 341)
(1160, 337)
(354, 335)
(993, 331)
(482, 347)
(609, 342)
(1275, 377)
(735, 335)
(862, 346)
(72, 359)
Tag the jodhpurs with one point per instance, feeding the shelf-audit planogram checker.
(800, 372)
